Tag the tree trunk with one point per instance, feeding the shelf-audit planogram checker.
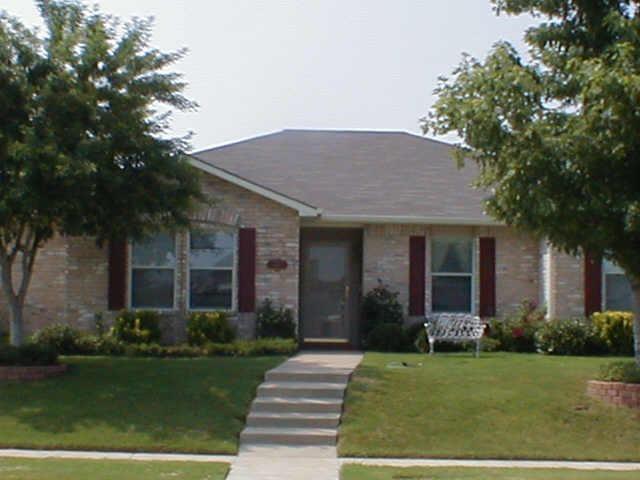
(635, 287)
(26, 251)
(17, 328)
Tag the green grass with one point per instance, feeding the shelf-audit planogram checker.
(134, 404)
(498, 406)
(56, 469)
(357, 472)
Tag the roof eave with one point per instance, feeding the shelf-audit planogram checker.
(407, 219)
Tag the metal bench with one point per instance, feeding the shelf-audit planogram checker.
(454, 327)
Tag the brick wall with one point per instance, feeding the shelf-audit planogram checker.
(566, 277)
(386, 257)
(70, 279)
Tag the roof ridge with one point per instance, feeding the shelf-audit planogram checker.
(321, 130)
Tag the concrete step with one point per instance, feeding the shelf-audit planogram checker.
(289, 436)
(275, 404)
(302, 389)
(328, 375)
(293, 420)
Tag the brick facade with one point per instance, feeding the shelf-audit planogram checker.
(71, 274)
(566, 277)
(385, 257)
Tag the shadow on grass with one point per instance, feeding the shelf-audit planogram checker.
(145, 404)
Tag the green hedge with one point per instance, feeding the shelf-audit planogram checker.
(205, 327)
(27, 355)
(627, 372)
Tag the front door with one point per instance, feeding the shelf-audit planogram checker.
(331, 264)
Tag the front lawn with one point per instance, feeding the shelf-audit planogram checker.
(357, 472)
(498, 406)
(56, 469)
(134, 404)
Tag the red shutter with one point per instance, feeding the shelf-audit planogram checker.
(117, 292)
(487, 277)
(592, 283)
(247, 270)
(417, 275)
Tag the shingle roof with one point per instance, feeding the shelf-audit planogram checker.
(358, 173)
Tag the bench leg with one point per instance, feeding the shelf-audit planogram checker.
(477, 348)
(432, 346)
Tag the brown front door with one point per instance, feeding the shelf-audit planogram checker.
(330, 287)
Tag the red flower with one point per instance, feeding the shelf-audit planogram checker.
(517, 332)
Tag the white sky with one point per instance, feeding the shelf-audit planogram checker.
(260, 66)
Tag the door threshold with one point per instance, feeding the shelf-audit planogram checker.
(325, 340)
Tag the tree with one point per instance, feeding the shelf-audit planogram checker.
(555, 135)
(83, 147)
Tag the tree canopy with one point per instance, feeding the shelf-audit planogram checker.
(555, 131)
(84, 143)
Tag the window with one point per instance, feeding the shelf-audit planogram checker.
(211, 270)
(451, 274)
(153, 264)
(617, 289)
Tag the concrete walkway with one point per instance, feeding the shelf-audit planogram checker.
(94, 455)
(292, 428)
(433, 462)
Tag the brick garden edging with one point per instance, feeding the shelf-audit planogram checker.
(615, 393)
(31, 373)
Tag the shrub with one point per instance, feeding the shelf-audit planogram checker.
(413, 332)
(628, 372)
(616, 331)
(380, 306)
(388, 337)
(139, 326)
(61, 338)
(274, 322)
(239, 348)
(516, 332)
(30, 354)
(204, 327)
(575, 336)
(261, 346)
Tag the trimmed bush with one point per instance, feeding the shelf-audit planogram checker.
(575, 336)
(61, 338)
(380, 306)
(137, 326)
(204, 327)
(388, 337)
(627, 372)
(615, 330)
(28, 355)
(274, 322)
(516, 332)
(239, 348)
(247, 348)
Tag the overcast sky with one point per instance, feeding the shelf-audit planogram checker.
(261, 66)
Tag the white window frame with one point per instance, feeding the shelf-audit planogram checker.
(233, 268)
(603, 295)
(133, 267)
(471, 275)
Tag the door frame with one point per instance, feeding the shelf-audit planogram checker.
(328, 235)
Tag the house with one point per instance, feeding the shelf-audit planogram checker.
(312, 219)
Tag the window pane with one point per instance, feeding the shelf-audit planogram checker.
(618, 292)
(451, 255)
(210, 288)
(451, 294)
(157, 251)
(152, 288)
(210, 250)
